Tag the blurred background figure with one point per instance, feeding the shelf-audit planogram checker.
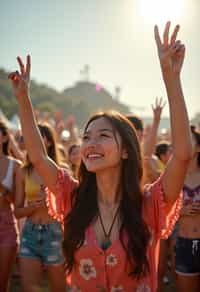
(8, 224)
(74, 158)
(138, 125)
(163, 152)
(188, 240)
(41, 237)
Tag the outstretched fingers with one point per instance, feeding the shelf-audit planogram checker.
(156, 101)
(25, 70)
(162, 103)
(174, 34)
(157, 36)
(21, 65)
(28, 65)
(166, 33)
(159, 103)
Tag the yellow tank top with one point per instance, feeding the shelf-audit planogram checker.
(32, 188)
(160, 166)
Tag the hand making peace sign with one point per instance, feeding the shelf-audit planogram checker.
(171, 51)
(21, 81)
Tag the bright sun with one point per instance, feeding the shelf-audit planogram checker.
(158, 11)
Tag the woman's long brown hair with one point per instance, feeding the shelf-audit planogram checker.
(4, 131)
(52, 150)
(85, 206)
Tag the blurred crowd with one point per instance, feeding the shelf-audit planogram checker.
(64, 136)
(110, 208)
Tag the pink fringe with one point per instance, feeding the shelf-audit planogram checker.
(55, 203)
(167, 223)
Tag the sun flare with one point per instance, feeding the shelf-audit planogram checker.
(158, 11)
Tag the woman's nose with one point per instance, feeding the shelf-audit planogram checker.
(91, 145)
(92, 142)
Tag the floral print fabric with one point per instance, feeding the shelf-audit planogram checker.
(107, 271)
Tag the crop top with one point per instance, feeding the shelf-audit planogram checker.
(7, 182)
(191, 195)
(33, 190)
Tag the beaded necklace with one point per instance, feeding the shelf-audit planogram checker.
(107, 242)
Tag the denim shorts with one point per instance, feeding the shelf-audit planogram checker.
(187, 256)
(42, 242)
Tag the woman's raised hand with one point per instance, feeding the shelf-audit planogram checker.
(157, 108)
(20, 81)
(171, 51)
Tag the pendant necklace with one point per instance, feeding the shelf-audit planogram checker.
(107, 242)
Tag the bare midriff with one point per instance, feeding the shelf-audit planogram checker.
(41, 216)
(189, 226)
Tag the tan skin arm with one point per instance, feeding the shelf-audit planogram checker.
(151, 139)
(171, 55)
(151, 171)
(44, 166)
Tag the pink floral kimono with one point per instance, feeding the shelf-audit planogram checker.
(96, 270)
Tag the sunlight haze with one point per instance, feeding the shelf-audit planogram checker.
(115, 38)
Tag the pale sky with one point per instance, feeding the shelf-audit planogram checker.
(115, 37)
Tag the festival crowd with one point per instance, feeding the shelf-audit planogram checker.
(108, 208)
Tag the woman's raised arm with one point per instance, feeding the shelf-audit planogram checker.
(171, 54)
(45, 167)
(149, 142)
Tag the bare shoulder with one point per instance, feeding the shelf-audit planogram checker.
(16, 161)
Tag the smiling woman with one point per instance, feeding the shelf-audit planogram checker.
(112, 225)
(157, 11)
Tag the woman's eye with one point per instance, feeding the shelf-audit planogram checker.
(104, 135)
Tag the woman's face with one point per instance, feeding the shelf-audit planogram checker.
(101, 148)
(74, 156)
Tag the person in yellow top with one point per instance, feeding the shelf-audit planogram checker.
(163, 152)
(41, 239)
